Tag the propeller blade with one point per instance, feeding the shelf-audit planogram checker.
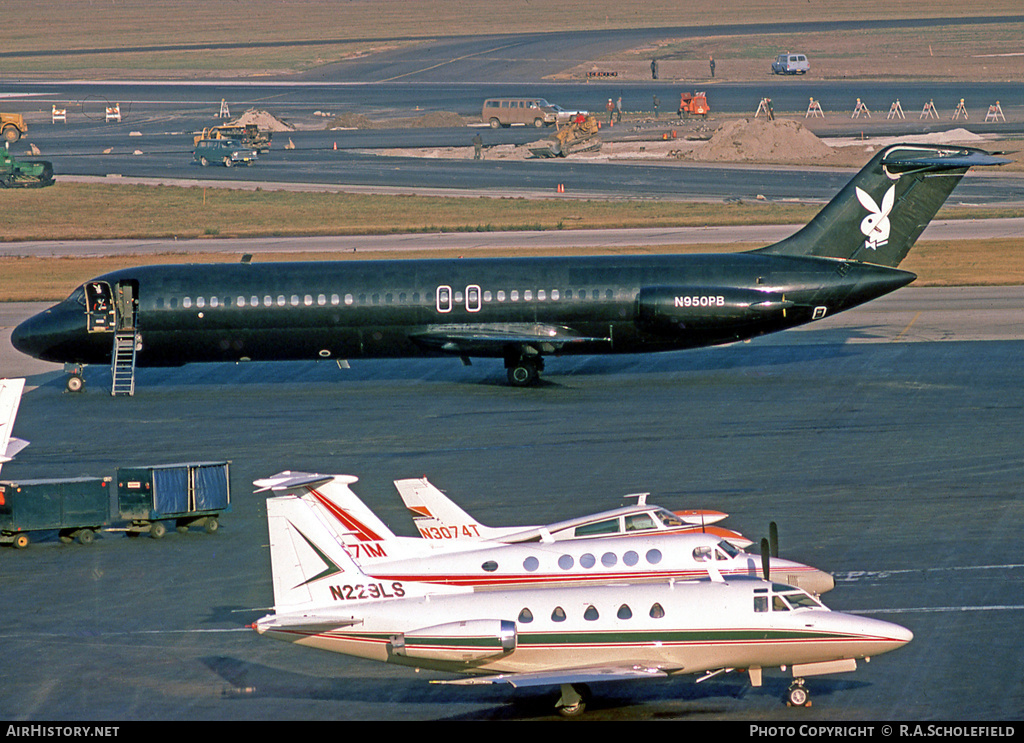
(773, 538)
(765, 559)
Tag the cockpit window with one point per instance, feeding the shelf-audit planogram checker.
(77, 296)
(668, 518)
(611, 526)
(728, 548)
(639, 522)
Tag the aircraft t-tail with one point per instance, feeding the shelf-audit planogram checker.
(647, 555)
(517, 309)
(566, 636)
(10, 400)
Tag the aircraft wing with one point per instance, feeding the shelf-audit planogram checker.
(587, 675)
(493, 339)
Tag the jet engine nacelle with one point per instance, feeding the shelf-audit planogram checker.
(701, 307)
(467, 641)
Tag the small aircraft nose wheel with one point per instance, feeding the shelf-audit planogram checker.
(573, 701)
(797, 695)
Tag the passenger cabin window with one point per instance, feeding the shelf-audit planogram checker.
(591, 614)
(525, 616)
(611, 526)
(657, 612)
(558, 615)
(624, 612)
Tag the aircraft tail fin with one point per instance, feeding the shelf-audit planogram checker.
(313, 571)
(882, 211)
(10, 400)
(435, 514)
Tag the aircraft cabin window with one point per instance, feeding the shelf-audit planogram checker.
(609, 526)
(200, 302)
(268, 300)
(542, 295)
(624, 612)
(657, 612)
(530, 564)
(591, 614)
(514, 295)
(587, 560)
(308, 300)
(321, 299)
(501, 296)
(186, 302)
(295, 300)
(525, 616)
(281, 301)
(702, 554)
(609, 559)
(631, 558)
(555, 295)
(558, 615)
(654, 556)
(668, 518)
(528, 295)
(487, 296)
(336, 300)
(240, 302)
(490, 566)
(760, 604)
(778, 604)
(349, 299)
(214, 302)
(565, 562)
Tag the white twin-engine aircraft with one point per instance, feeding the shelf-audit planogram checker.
(650, 554)
(565, 636)
(437, 517)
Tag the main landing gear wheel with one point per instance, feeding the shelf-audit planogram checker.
(797, 695)
(573, 701)
(524, 372)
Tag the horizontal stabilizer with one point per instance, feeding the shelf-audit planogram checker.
(288, 480)
(14, 446)
(904, 160)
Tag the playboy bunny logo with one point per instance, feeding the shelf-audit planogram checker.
(875, 225)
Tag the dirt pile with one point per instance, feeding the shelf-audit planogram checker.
(759, 140)
(266, 121)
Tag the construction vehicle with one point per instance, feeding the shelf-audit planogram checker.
(249, 135)
(693, 104)
(24, 173)
(578, 135)
(12, 126)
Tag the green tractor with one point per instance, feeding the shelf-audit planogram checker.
(24, 173)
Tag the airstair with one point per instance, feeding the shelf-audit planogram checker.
(122, 365)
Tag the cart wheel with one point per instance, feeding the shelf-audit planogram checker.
(157, 530)
(211, 525)
(21, 541)
(86, 536)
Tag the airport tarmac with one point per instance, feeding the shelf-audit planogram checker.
(886, 443)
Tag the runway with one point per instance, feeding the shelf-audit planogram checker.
(884, 441)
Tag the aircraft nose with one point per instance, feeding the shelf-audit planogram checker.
(26, 336)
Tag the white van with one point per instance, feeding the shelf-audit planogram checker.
(790, 64)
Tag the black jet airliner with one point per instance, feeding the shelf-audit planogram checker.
(516, 309)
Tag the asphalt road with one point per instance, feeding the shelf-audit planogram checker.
(885, 441)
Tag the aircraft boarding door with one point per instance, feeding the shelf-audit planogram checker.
(101, 316)
(127, 305)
